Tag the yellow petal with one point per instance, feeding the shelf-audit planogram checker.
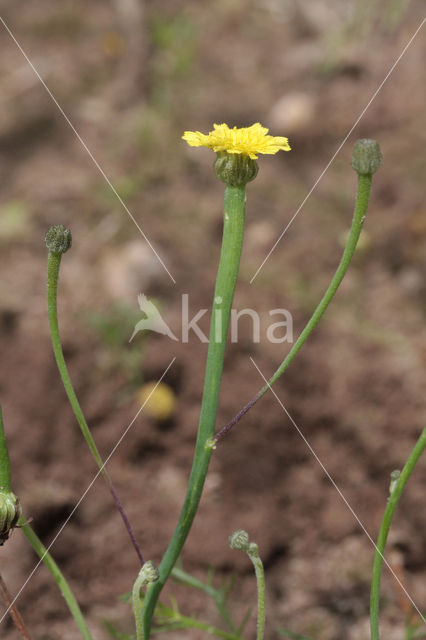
(247, 140)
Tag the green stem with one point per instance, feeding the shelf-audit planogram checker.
(253, 553)
(4, 459)
(361, 204)
(53, 266)
(136, 601)
(58, 576)
(392, 503)
(233, 231)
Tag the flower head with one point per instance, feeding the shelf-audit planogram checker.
(239, 540)
(247, 141)
(149, 573)
(10, 512)
(366, 156)
(58, 238)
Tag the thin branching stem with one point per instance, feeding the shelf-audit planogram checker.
(361, 204)
(53, 265)
(391, 505)
(57, 575)
(253, 553)
(136, 603)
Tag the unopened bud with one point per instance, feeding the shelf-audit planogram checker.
(239, 540)
(235, 169)
(366, 156)
(149, 573)
(58, 238)
(10, 512)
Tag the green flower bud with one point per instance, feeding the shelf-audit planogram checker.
(366, 156)
(149, 573)
(235, 169)
(239, 540)
(10, 512)
(58, 238)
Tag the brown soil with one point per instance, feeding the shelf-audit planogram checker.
(355, 392)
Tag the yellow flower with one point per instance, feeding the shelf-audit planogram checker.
(247, 141)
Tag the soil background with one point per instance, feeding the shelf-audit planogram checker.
(131, 77)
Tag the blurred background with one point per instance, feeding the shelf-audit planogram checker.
(132, 76)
